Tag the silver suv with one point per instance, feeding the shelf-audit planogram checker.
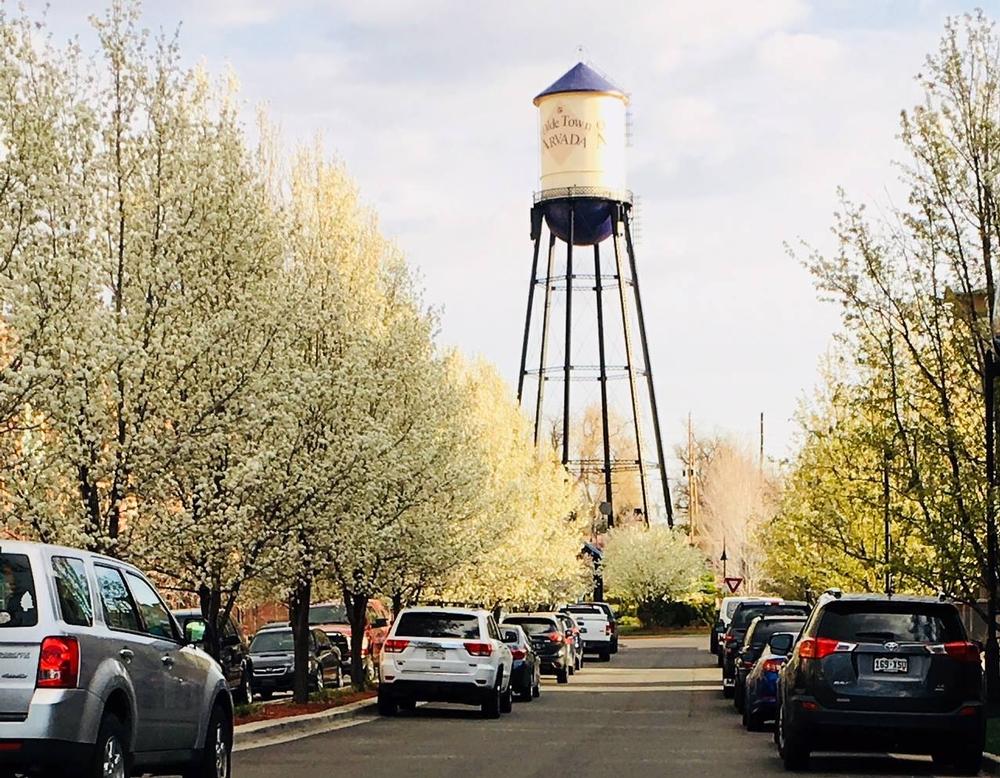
(94, 672)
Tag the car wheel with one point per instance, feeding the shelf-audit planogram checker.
(492, 705)
(718, 660)
(408, 706)
(536, 690)
(738, 699)
(964, 759)
(605, 655)
(111, 757)
(527, 694)
(562, 676)
(792, 746)
(506, 700)
(319, 683)
(244, 694)
(369, 670)
(386, 705)
(727, 691)
(215, 759)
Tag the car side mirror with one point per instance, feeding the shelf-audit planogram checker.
(194, 633)
(781, 643)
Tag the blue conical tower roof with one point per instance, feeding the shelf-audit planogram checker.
(581, 78)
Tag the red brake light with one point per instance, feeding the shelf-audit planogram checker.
(729, 638)
(518, 653)
(607, 629)
(395, 645)
(962, 651)
(479, 649)
(59, 663)
(818, 648)
(556, 637)
(772, 665)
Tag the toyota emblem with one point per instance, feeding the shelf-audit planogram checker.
(891, 646)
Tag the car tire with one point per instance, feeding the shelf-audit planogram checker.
(408, 706)
(527, 694)
(386, 705)
(792, 746)
(751, 722)
(614, 645)
(728, 691)
(718, 660)
(111, 746)
(507, 700)
(370, 674)
(244, 693)
(738, 699)
(605, 655)
(562, 676)
(964, 759)
(491, 706)
(215, 760)
(572, 668)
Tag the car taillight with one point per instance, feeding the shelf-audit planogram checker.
(556, 637)
(747, 663)
(729, 639)
(772, 665)
(59, 663)
(479, 649)
(818, 648)
(607, 629)
(961, 651)
(395, 646)
(518, 653)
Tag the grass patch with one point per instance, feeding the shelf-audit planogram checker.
(637, 631)
(318, 701)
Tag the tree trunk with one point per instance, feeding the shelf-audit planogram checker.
(211, 602)
(357, 607)
(299, 613)
(397, 603)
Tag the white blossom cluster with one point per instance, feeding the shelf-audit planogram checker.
(214, 364)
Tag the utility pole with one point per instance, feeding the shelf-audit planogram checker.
(886, 459)
(761, 460)
(692, 476)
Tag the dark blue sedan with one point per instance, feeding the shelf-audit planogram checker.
(761, 691)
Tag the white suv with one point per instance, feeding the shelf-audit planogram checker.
(439, 654)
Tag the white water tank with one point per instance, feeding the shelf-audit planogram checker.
(582, 135)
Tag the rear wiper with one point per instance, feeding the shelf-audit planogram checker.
(881, 635)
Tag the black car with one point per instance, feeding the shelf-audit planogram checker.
(272, 655)
(548, 640)
(526, 670)
(758, 634)
(235, 651)
(878, 673)
(746, 611)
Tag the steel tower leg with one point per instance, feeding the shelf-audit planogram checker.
(567, 360)
(544, 348)
(649, 369)
(536, 234)
(605, 432)
(618, 215)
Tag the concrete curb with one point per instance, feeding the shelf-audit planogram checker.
(264, 733)
(991, 764)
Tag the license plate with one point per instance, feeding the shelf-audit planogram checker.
(436, 653)
(891, 664)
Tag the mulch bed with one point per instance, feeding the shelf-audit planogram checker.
(285, 710)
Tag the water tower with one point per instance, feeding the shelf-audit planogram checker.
(592, 308)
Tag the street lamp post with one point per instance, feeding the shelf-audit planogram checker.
(989, 391)
(887, 543)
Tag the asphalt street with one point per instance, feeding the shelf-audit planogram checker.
(655, 710)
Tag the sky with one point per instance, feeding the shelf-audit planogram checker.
(747, 118)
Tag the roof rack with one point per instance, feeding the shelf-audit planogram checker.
(452, 604)
(834, 592)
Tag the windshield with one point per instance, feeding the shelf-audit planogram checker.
(748, 613)
(438, 625)
(763, 631)
(273, 641)
(534, 626)
(328, 614)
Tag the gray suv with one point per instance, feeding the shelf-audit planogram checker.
(94, 672)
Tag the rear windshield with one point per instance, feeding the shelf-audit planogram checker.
(880, 622)
(748, 613)
(438, 625)
(763, 631)
(533, 626)
(17, 598)
(328, 614)
(591, 609)
(275, 641)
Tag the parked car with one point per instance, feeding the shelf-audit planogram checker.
(722, 620)
(235, 651)
(545, 631)
(872, 672)
(526, 670)
(443, 654)
(331, 617)
(761, 688)
(574, 639)
(595, 629)
(95, 673)
(612, 620)
(758, 633)
(272, 657)
(745, 612)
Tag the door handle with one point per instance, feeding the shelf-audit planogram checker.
(126, 655)
(168, 661)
